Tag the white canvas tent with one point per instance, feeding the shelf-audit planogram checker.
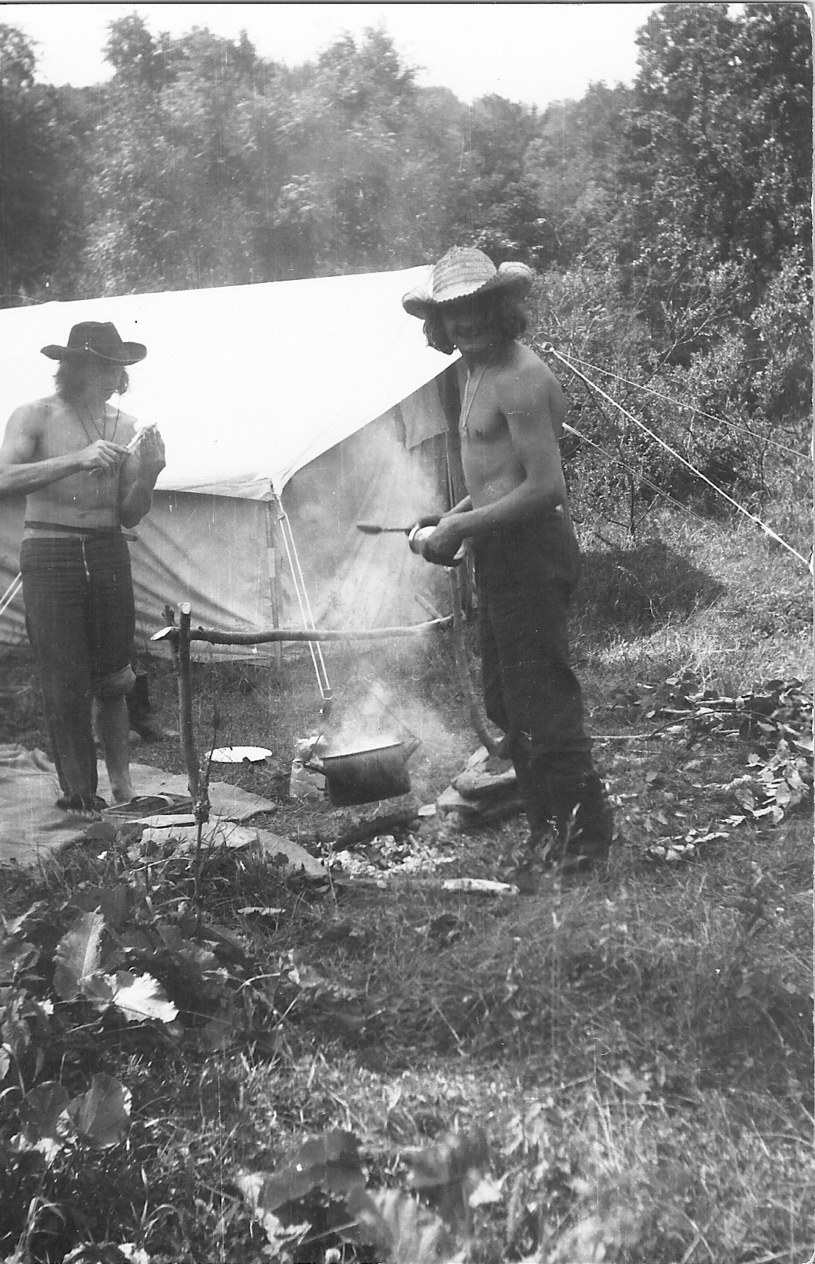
(289, 410)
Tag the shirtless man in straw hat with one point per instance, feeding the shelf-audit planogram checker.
(525, 551)
(85, 472)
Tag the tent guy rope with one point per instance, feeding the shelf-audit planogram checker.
(10, 593)
(320, 669)
(660, 491)
(548, 349)
(678, 403)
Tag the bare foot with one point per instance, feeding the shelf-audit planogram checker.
(122, 794)
(85, 807)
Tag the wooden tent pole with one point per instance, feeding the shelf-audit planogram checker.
(274, 576)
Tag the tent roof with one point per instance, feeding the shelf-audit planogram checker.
(247, 383)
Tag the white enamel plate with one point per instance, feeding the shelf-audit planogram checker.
(239, 754)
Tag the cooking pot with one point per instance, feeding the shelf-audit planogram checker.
(368, 773)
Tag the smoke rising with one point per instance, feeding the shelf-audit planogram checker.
(357, 580)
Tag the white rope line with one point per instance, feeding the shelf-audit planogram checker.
(15, 583)
(549, 349)
(10, 593)
(630, 470)
(323, 683)
(677, 403)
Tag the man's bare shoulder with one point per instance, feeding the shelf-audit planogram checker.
(527, 361)
(36, 414)
(526, 381)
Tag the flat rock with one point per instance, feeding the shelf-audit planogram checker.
(481, 785)
(298, 859)
(228, 834)
(219, 833)
(490, 808)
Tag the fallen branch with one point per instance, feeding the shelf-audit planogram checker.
(361, 831)
(213, 637)
(471, 886)
(492, 744)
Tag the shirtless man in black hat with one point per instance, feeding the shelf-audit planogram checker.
(526, 553)
(85, 472)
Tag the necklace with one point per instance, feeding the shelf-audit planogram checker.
(467, 405)
(100, 434)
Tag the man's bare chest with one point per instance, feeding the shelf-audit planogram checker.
(65, 430)
(482, 424)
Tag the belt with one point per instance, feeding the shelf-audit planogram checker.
(62, 526)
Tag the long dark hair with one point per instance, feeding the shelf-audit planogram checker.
(73, 376)
(505, 315)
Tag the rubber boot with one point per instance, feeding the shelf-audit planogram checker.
(542, 847)
(584, 822)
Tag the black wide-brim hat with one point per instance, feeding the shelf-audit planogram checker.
(99, 340)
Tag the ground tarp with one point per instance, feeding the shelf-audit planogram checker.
(32, 828)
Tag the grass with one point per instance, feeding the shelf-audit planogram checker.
(636, 1045)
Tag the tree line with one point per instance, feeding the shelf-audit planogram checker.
(669, 221)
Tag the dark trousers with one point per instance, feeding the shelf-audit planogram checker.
(526, 576)
(80, 619)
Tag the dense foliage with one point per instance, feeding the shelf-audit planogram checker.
(670, 221)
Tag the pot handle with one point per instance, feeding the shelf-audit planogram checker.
(411, 747)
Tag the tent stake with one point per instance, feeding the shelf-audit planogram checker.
(181, 654)
(197, 783)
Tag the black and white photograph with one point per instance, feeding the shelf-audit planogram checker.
(422, 394)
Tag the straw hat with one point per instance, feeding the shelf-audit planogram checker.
(100, 340)
(462, 272)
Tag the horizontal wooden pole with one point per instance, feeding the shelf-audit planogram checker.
(212, 637)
